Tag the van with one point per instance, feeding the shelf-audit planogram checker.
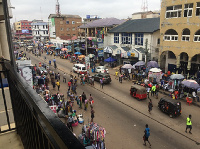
(79, 68)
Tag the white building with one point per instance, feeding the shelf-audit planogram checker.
(131, 38)
(40, 31)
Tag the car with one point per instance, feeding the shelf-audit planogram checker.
(79, 68)
(100, 69)
(40, 70)
(170, 106)
(106, 77)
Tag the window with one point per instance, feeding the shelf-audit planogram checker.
(188, 10)
(73, 28)
(46, 26)
(68, 29)
(126, 38)
(73, 22)
(67, 22)
(186, 35)
(46, 32)
(61, 29)
(158, 41)
(74, 34)
(22, 23)
(116, 37)
(29, 27)
(173, 11)
(25, 23)
(29, 23)
(43, 32)
(198, 9)
(171, 55)
(68, 35)
(26, 27)
(139, 39)
(22, 27)
(38, 26)
(43, 26)
(171, 35)
(197, 36)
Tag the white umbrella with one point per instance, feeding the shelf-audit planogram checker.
(91, 55)
(155, 70)
(127, 66)
(140, 63)
(177, 77)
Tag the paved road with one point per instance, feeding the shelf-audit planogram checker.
(124, 117)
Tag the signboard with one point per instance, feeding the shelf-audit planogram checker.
(128, 53)
(87, 62)
(100, 53)
(25, 31)
(132, 54)
(100, 45)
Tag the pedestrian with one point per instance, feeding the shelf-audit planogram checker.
(83, 98)
(194, 95)
(64, 77)
(80, 103)
(58, 84)
(92, 80)
(116, 74)
(189, 124)
(90, 99)
(146, 135)
(86, 104)
(153, 89)
(92, 113)
(101, 83)
(69, 85)
(58, 75)
(70, 122)
(54, 84)
(148, 90)
(54, 60)
(150, 105)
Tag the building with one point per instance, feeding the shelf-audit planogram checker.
(90, 18)
(64, 26)
(134, 40)
(146, 14)
(40, 30)
(180, 36)
(23, 30)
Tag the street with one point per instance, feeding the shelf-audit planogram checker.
(124, 118)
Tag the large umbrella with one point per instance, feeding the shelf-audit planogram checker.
(58, 48)
(155, 70)
(127, 66)
(140, 63)
(78, 53)
(64, 49)
(177, 77)
(190, 84)
(152, 64)
(91, 55)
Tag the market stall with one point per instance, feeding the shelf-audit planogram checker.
(155, 74)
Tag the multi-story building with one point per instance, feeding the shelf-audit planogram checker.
(180, 36)
(134, 40)
(146, 14)
(40, 30)
(64, 26)
(23, 30)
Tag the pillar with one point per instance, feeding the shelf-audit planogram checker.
(3, 41)
(189, 66)
(177, 63)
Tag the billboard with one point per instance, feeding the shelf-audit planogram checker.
(25, 31)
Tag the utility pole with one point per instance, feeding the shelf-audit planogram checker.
(146, 50)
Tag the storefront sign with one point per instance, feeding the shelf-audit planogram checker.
(100, 53)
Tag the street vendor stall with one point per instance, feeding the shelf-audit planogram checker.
(155, 74)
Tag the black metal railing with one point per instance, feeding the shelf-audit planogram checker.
(36, 124)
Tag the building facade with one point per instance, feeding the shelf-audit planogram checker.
(40, 31)
(23, 30)
(137, 39)
(64, 26)
(180, 36)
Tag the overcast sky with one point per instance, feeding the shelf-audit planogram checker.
(40, 9)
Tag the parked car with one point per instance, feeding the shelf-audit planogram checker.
(106, 77)
(40, 70)
(100, 69)
(170, 106)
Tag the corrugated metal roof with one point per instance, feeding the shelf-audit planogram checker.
(106, 22)
(148, 25)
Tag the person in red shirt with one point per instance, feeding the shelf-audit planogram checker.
(69, 85)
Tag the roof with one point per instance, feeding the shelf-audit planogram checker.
(141, 50)
(148, 25)
(125, 48)
(39, 23)
(113, 47)
(64, 15)
(168, 99)
(106, 22)
(138, 87)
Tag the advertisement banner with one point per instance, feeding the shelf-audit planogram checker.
(25, 31)
(100, 53)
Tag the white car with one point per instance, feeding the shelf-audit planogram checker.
(101, 69)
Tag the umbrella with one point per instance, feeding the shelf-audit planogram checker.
(58, 48)
(152, 64)
(78, 53)
(140, 63)
(177, 77)
(64, 49)
(19, 58)
(155, 70)
(127, 66)
(190, 84)
(91, 55)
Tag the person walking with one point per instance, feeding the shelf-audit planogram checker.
(153, 89)
(69, 85)
(86, 104)
(150, 105)
(90, 99)
(116, 74)
(70, 122)
(83, 98)
(64, 77)
(189, 124)
(58, 84)
(101, 83)
(146, 135)
(80, 102)
(92, 113)
(58, 75)
(54, 61)
(148, 90)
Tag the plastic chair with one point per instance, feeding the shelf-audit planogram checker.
(189, 100)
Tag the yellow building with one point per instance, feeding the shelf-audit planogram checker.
(180, 36)
(17, 25)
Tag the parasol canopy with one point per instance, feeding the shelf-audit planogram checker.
(78, 53)
(64, 49)
(190, 84)
(177, 77)
(91, 55)
(155, 70)
(127, 66)
(152, 64)
(139, 63)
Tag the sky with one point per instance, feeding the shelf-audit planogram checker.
(40, 9)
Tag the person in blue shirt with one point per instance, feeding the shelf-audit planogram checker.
(146, 135)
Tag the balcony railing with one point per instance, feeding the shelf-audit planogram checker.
(36, 124)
